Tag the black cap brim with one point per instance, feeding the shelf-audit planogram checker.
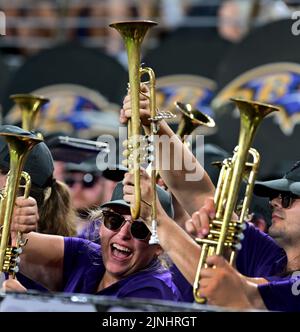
(119, 202)
(267, 188)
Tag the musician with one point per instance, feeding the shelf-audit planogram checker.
(48, 207)
(125, 265)
(89, 188)
(274, 262)
(52, 197)
(190, 195)
(86, 185)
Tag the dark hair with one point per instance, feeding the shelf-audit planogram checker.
(56, 213)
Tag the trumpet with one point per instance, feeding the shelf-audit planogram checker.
(225, 233)
(30, 106)
(133, 33)
(191, 119)
(19, 146)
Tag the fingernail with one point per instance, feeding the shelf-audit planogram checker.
(204, 231)
(211, 215)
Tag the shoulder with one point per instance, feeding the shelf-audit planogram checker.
(259, 256)
(254, 237)
(75, 244)
(81, 249)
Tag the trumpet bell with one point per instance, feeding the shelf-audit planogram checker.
(133, 30)
(191, 119)
(29, 106)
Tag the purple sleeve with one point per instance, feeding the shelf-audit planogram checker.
(185, 288)
(259, 255)
(81, 259)
(71, 246)
(281, 295)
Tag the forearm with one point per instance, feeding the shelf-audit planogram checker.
(181, 171)
(179, 246)
(42, 259)
(254, 296)
(180, 215)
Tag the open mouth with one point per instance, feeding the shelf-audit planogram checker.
(119, 251)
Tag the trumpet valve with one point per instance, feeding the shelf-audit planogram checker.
(125, 163)
(126, 153)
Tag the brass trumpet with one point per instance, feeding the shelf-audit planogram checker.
(225, 233)
(133, 33)
(19, 146)
(191, 119)
(29, 106)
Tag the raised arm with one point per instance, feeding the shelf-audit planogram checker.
(42, 256)
(177, 244)
(178, 167)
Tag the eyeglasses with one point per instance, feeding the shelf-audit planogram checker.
(88, 181)
(114, 221)
(286, 198)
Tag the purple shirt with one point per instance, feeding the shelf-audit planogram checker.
(260, 256)
(84, 269)
(282, 295)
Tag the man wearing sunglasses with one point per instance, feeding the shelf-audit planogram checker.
(86, 185)
(124, 265)
(89, 188)
(268, 266)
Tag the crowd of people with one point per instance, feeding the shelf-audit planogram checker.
(111, 255)
(78, 228)
(45, 22)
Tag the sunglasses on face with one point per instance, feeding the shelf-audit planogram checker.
(286, 199)
(88, 181)
(114, 221)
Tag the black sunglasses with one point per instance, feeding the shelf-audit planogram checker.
(114, 221)
(286, 198)
(88, 181)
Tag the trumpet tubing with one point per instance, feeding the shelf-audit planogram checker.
(224, 232)
(133, 33)
(19, 147)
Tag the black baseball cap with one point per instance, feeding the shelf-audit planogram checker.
(39, 163)
(290, 182)
(164, 197)
(112, 172)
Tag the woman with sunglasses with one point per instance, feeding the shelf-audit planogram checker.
(124, 265)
